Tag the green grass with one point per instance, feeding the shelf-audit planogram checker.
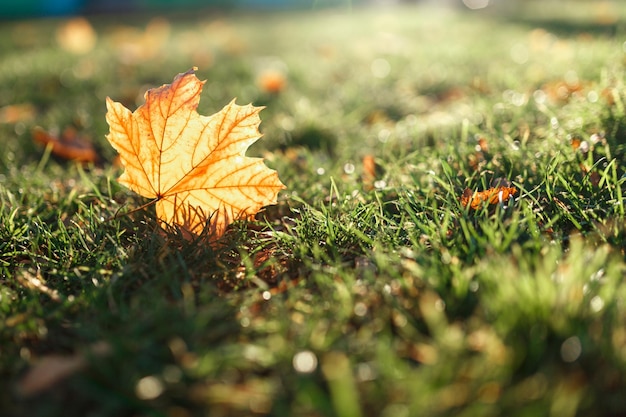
(352, 296)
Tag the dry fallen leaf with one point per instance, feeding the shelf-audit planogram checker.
(50, 370)
(564, 90)
(491, 196)
(369, 170)
(272, 81)
(14, 113)
(70, 145)
(193, 166)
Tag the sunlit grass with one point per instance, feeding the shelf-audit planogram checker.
(369, 289)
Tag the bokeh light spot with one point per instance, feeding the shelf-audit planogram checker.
(149, 388)
(380, 68)
(476, 4)
(304, 362)
(596, 304)
(519, 53)
(571, 349)
(360, 309)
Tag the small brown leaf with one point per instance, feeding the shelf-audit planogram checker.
(491, 196)
(70, 146)
(483, 145)
(272, 81)
(369, 171)
(14, 113)
(52, 369)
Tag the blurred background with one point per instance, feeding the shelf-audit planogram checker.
(60, 59)
(11, 9)
(32, 8)
(17, 9)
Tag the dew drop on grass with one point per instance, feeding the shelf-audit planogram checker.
(360, 309)
(288, 124)
(297, 318)
(596, 276)
(539, 96)
(571, 349)
(592, 96)
(365, 372)
(177, 346)
(149, 388)
(596, 304)
(571, 77)
(25, 353)
(380, 184)
(519, 53)
(304, 362)
(399, 320)
(20, 128)
(380, 68)
(554, 122)
(320, 171)
(595, 138)
(476, 4)
(267, 295)
(349, 168)
(383, 135)
(518, 99)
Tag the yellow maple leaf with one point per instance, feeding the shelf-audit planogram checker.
(193, 166)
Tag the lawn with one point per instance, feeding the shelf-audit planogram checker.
(380, 284)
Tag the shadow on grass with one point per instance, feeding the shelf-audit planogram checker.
(150, 323)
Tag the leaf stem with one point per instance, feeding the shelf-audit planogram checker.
(135, 210)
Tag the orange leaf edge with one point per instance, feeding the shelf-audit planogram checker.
(492, 196)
